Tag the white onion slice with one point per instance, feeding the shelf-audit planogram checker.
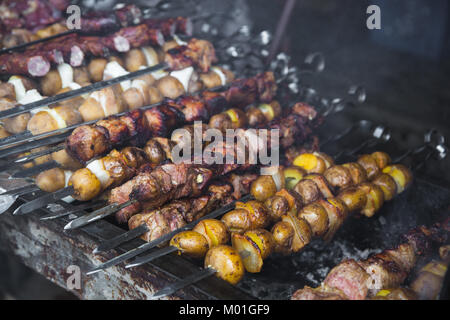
(19, 88)
(222, 76)
(66, 74)
(184, 76)
(97, 168)
(113, 70)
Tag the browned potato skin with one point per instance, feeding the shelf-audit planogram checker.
(65, 160)
(210, 79)
(277, 207)
(134, 59)
(86, 184)
(357, 172)
(134, 98)
(250, 215)
(148, 78)
(375, 198)
(265, 239)
(308, 190)
(370, 165)
(74, 103)
(70, 115)
(96, 68)
(321, 183)
(317, 218)
(338, 176)
(51, 180)
(214, 231)
(155, 95)
(354, 198)
(255, 116)
(81, 75)
(154, 152)
(283, 233)
(221, 121)
(16, 124)
(42, 122)
(7, 91)
(190, 243)
(241, 118)
(51, 83)
(263, 188)
(227, 262)
(3, 133)
(381, 158)
(91, 110)
(170, 87)
(337, 211)
(387, 185)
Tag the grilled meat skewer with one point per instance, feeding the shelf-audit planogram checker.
(358, 280)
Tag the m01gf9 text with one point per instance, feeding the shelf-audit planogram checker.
(256, 309)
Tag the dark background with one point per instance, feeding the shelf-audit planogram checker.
(404, 67)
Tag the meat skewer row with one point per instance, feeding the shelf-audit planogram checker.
(294, 225)
(73, 49)
(118, 167)
(163, 120)
(89, 141)
(149, 190)
(30, 14)
(357, 280)
(130, 94)
(100, 22)
(426, 285)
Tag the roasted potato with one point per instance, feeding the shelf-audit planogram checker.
(338, 176)
(221, 121)
(51, 180)
(401, 175)
(214, 231)
(375, 198)
(263, 188)
(65, 160)
(313, 162)
(227, 262)
(354, 198)
(3, 132)
(387, 185)
(134, 60)
(15, 124)
(81, 75)
(337, 211)
(86, 185)
(277, 207)
(357, 172)
(370, 165)
(321, 183)
(308, 190)
(381, 158)
(190, 243)
(250, 215)
(291, 234)
(96, 67)
(255, 116)
(170, 87)
(317, 218)
(51, 83)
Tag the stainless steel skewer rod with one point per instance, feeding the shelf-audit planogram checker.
(149, 245)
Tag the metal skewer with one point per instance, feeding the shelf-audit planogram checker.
(24, 45)
(193, 278)
(68, 211)
(142, 229)
(30, 172)
(149, 245)
(8, 198)
(97, 215)
(77, 92)
(38, 203)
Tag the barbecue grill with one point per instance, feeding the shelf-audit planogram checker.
(46, 247)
